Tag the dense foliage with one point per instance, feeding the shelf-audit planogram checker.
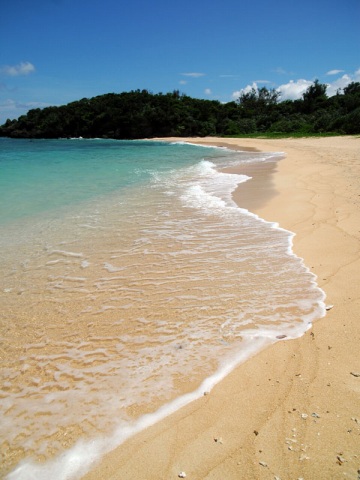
(141, 114)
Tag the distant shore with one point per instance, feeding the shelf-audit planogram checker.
(293, 410)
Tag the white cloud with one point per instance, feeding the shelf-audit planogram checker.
(294, 90)
(288, 91)
(207, 91)
(193, 74)
(342, 82)
(334, 72)
(23, 68)
(247, 89)
(183, 82)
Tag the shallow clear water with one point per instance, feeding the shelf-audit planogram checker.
(129, 278)
(42, 175)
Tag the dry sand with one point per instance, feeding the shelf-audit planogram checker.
(293, 410)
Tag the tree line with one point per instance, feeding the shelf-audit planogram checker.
(142, 114)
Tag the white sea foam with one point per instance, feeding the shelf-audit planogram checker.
(66, 254)
(111, 268)
(199, 145)
(77, 461)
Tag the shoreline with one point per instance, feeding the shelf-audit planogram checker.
(292, 410)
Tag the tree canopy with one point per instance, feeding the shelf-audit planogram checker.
(142, 114)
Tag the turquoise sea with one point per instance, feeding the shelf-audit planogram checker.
(131, 283)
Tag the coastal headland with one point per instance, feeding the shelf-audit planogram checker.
(293, 410)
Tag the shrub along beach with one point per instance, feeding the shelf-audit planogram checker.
(142, 114)
(293, 410)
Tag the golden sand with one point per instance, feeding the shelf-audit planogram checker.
(293, 410)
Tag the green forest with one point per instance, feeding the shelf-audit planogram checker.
(142, 114)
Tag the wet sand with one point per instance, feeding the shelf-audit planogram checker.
(293, 410)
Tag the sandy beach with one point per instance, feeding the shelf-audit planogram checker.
(293, 410)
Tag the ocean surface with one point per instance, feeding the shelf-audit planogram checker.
(131, 284)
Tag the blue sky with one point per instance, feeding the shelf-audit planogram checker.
(56, 51)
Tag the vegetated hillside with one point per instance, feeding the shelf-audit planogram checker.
(141, 114)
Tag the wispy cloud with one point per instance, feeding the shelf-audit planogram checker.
(193, 74)
(23, 68)
(334, 72)
(10, 108)
(11, 104)
(282, 71)
(6, 88)
(207, 91)
(183, 82)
